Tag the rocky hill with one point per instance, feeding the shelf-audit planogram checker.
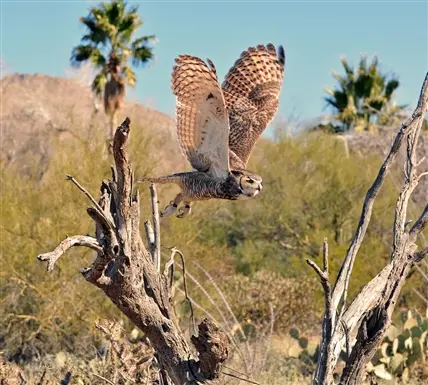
(38, 108)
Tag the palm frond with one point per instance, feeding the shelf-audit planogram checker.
(331, 102)
(348, 69)
(339, 100)
(362, 67)
(363, 85)
(114, 11)
(342, 80)
(102, 21)
(128, 25)
(391, 86)
(329, 91)
(99, 83)
(145, 40)
(129, 75)
(141, 53)
(374, 69)
(82, 53)
(96, 34)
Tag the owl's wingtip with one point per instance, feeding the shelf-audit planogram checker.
(281, 55)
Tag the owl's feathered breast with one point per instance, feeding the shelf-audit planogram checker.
(200, 186)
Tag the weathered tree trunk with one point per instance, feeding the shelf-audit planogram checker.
(128, 275)
(361, 325)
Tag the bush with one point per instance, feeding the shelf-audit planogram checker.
(267, 298)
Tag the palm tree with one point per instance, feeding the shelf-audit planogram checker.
(364, 97)
(108, 46)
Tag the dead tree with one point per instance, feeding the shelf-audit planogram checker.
(359, 327)
(130, 276)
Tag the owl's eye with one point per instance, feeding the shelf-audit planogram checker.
(250, 181)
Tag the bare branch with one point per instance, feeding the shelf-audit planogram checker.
(175, 251)
(81, 188)
(150, 238)
(76, 240)
(420, 254)
(317, 269)
(324, 278)
(325, 257)
(328, 321)
(97, 208)
(410, 183)
(103, 378)
(241, 378)
(156, 224)
(419, 225)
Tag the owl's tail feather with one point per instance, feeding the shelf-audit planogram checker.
(160, 180)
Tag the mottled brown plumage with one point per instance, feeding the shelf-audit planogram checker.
(217, 127)
(251, 91)
(202, 127)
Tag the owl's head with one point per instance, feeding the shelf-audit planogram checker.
(249, 183)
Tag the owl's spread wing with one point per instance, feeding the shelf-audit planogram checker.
(251, 91)
(202, 122)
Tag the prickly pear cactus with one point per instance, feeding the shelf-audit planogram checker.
(402, 348)
(308, 351)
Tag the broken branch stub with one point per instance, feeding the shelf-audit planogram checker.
(129, 275)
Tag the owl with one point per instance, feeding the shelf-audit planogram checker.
(217, 127)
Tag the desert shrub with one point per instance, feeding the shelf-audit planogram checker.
(267, 297)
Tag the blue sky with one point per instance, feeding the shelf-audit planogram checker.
(37, 36)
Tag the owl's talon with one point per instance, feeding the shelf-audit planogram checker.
(169, 210)
(183, 211)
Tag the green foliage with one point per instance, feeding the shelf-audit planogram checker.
(363, 98)
(108, 43)
(404, 348)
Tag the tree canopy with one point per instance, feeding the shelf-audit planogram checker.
(109, 45)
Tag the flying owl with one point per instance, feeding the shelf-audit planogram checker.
(217, 127)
